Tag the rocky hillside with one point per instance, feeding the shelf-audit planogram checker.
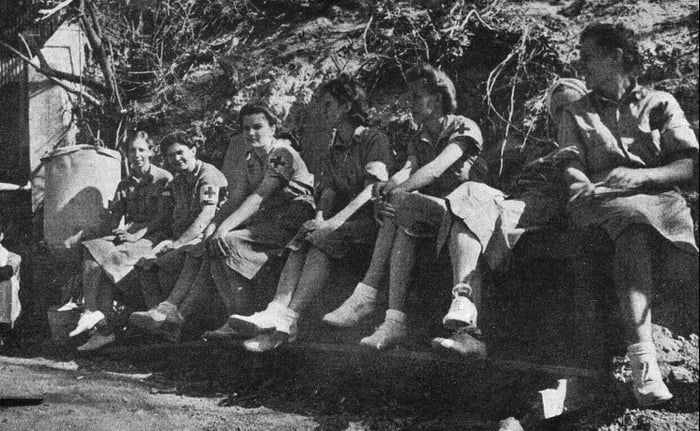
(192, 65)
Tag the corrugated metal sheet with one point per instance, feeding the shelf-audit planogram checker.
(18, 16)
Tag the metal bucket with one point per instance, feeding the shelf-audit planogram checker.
(62, 322)
(80, 181)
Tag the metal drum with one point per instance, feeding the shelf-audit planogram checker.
(80, 182)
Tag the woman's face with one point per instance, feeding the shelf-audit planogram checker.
(181, 157)
(257, 131)
(333, 109)
(139, 153)
(597, 65)
(423, 103)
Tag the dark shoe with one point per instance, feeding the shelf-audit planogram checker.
(463, 343)
(152, 320)
(224, 332)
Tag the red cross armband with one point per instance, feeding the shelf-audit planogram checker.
(209, 194)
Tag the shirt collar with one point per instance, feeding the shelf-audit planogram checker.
(192, 177)
(631, 95)
(340, 143)
(146, 177)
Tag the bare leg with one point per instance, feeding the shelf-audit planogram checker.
(150, 286)
(233, 287)
(633, 281)
(465, 250)
(186, 279)
(92, 274)
(289, 278)
(198, 288)
(379, 266)
(314, 276)
(632, 269)
(403, 258)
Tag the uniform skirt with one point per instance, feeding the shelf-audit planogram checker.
(118, 260)
(350, 236)
(614, 211)
(265, 235)
(499, 222)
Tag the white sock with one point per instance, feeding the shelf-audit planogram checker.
(640, 349)
(364, 293)
(395, 316)
(286, 318)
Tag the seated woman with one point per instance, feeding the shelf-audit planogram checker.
(491, 228)
(195, 193)
(626, 148)
(108, 260)
(442, 155)
(357, 158)
(272, 196)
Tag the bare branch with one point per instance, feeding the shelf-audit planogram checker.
(47, 13)
(50, 72)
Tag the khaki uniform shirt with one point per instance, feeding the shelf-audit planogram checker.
(635, 132)
(140, 199)
(456, 129)
(344, 166)
(192, 191)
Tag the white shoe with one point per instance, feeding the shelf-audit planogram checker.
(647, 383)
(351, 312)
(462, 312)
(88, 320)
(262, 321)
(389, 334)
(97, 341)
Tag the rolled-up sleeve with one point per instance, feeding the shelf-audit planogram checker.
(676, 133)
(571, 143)
(378, 151)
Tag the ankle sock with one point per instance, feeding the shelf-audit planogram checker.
(395, 316)
(364, 292)
(639, 349)
(286, 318)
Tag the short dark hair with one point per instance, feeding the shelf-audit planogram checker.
(437, 82)
(140, 135)
(345, 89)
(257, 108)
(173, 138)
(610, 37)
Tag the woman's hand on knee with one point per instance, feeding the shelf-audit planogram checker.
(384, 209)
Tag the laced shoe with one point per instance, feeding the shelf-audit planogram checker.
(250, 326)
(350, 312)
(463, 343)
(389, 334)
(97, 341)
(462, 311)
(153, 319)
(88, 320)
(648, 386)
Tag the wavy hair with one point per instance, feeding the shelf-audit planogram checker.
(437, 82)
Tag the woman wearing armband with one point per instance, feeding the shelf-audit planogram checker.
(272, 196)
(490, 228)
(195, 193)
(626, 148)
(357, 158)
(443, 153)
